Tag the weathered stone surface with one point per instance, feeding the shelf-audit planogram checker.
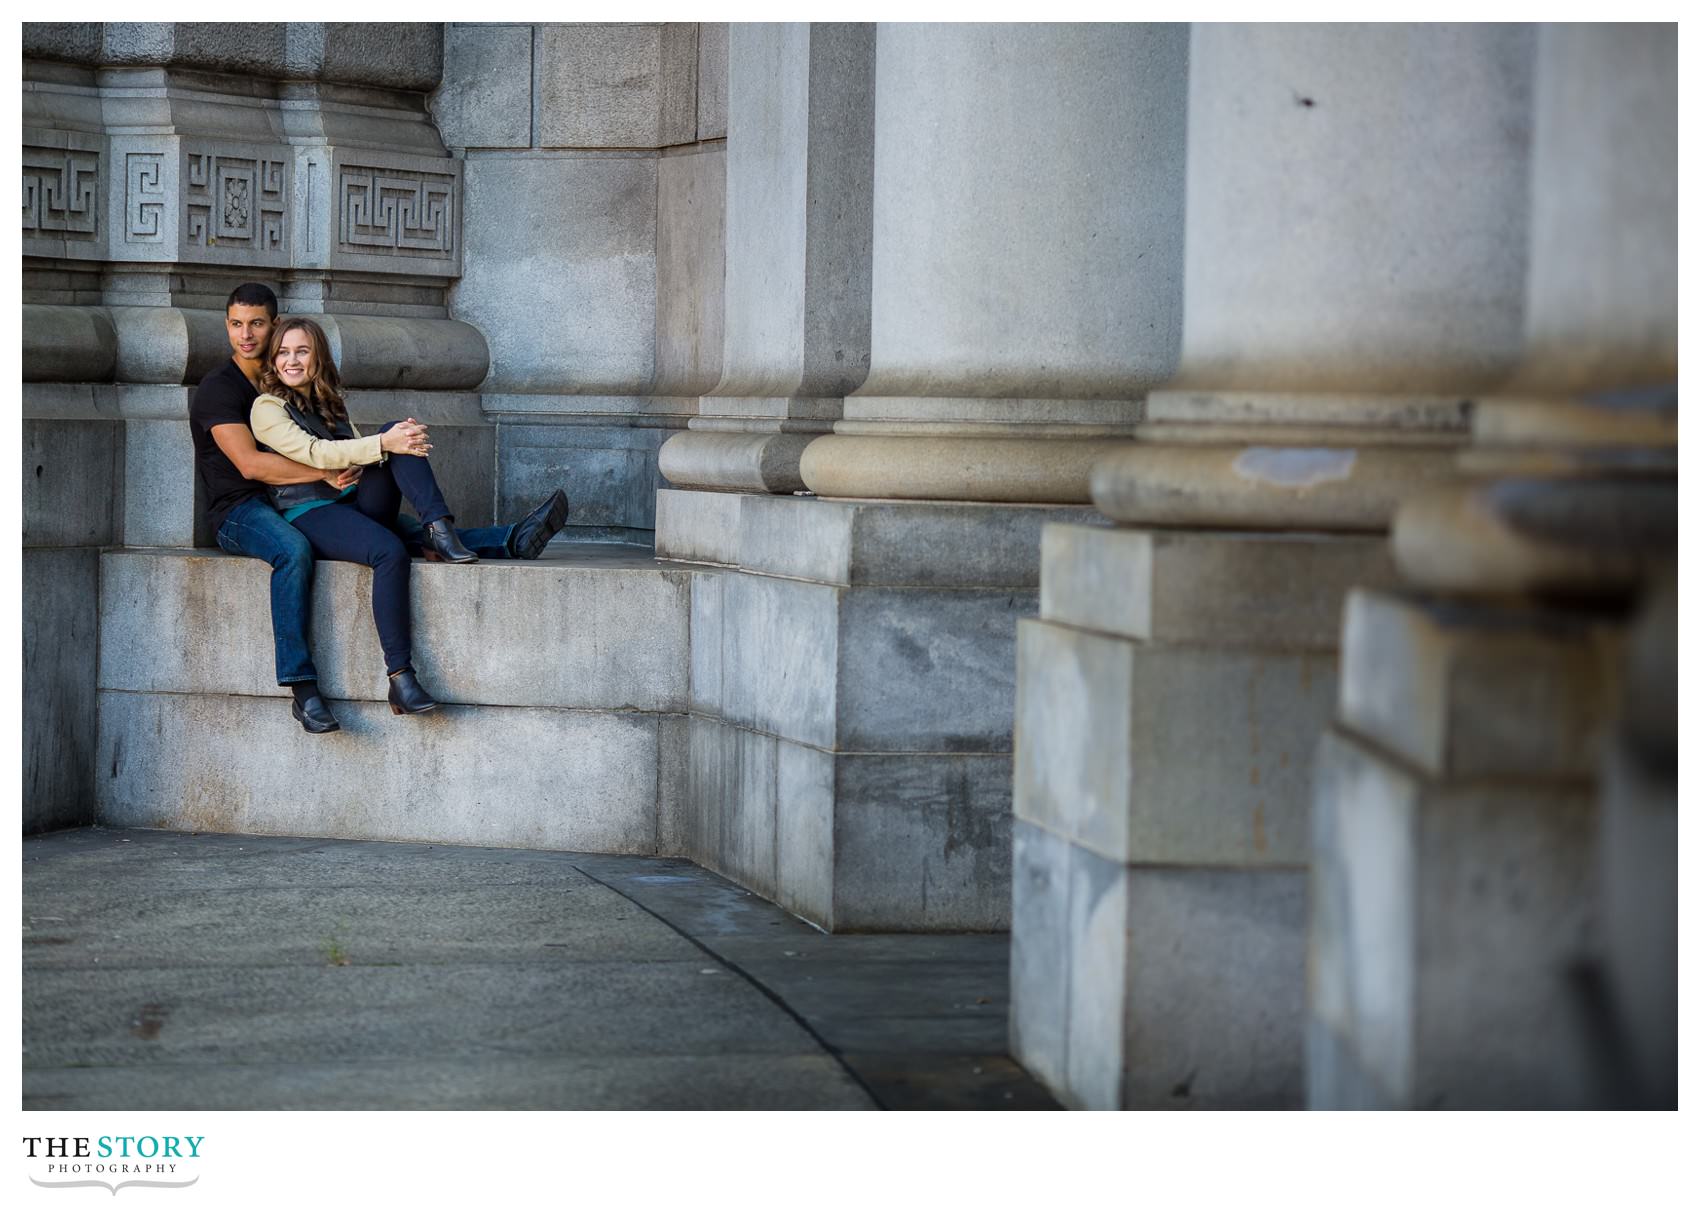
(167, 344)
(892, 670)
(780, 650)
(799, 194)
(1602, 309)
(404, 353)
(60, 629)
(1639, 912)
(67, 344)
(485, 97)
(696, 526)
(735, 462)
(732, 799)
(1576, 535)
(1001, 469)
(853, 841)
(616, 85)
(391, 54)
(1156, 988)
(927, 669)
(1444, 919)
(588, 328)
(1099, 721)
(1645, 419)
(711, 79)
(1265, 487)
(608, 471)
(615, 637)
(70, 469)
(1385, 415)
(461, 774)
(159, 500)
(690, 270)
(1219, 588)
(901, 543)
(77, 41)
(1052, 267)
(921, 842)
(1357, 206)
(806, 816)
(1477, 691)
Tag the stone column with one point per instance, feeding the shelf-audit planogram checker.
(1355, 201)
(1457, 875)
(798, 204)
(852, 692)
(1026, 259)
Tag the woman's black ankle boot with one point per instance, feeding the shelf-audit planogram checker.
(407, 696)
(442, 543)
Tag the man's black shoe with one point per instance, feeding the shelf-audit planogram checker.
(535, 530)
(314, 715)
(442, 543)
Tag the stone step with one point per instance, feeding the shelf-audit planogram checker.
(563, 685)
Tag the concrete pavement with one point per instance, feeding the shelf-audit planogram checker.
(177, 970)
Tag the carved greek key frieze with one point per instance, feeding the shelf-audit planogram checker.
(395, 212)
(233, 201)
(144, 197)
(61, 192)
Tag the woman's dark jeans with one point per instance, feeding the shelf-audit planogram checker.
(360, 529)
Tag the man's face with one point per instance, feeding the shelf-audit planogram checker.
(249, 328)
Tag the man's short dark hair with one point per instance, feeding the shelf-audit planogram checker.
(253, 294)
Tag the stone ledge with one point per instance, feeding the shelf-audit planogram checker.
(558, 632)
(459, 775)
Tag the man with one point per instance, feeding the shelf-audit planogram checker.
(234, 471)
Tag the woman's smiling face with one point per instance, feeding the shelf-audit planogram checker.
(294, 361)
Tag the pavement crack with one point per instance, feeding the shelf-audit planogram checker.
(756, 984)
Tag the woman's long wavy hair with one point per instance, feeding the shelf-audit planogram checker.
(322, 393)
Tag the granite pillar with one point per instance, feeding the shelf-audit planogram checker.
(798, 231)
(1026, 268)
(1488, 788)
(1353, 275)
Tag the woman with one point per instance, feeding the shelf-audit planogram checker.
(301, 414)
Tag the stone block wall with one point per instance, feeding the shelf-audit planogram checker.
(594, 158)
(562, 725)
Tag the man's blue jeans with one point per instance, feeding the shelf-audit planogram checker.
(253, 528)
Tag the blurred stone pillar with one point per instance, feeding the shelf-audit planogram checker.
(1026, 276)
(1355, 226)
(1458, 875)
(799, 205)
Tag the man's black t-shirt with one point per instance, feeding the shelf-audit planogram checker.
(224, 398)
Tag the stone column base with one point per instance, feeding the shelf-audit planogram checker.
(852, 697)
(1454, 856)
(1170, 697)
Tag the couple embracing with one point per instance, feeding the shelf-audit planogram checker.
(287, 478)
